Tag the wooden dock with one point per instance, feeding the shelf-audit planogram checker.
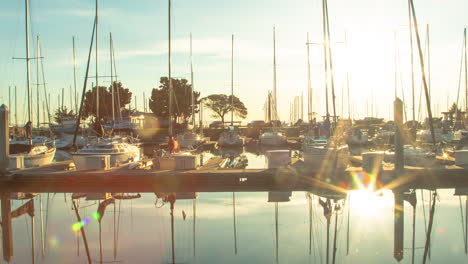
(61, 177)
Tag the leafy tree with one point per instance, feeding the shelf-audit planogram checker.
(181, 106)
(63, 113)
(105, 101)
(220, 104)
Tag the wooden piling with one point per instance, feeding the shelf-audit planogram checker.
(7, 237)
(4, 140)
(398, 118)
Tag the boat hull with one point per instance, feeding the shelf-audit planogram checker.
(116, 159)
(36, 160)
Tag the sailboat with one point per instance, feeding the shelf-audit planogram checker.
(33, 153)
(325, 155)
(274, 137)
(190, 139)
(231, 138)
(119, 149)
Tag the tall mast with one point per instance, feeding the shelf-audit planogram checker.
(169, 70)
(112, 76)
(347, 78)
(232, 80)
(423, 74)
(309, 84)
(97, 78)
(37, 80)
(466, 73)
(275, 113)
(74, 76)
(16, 108)
(28, 76)
(331, 63)
(325, 60)
(412, 60)
(192, 99)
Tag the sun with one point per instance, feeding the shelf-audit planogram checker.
(369, 203)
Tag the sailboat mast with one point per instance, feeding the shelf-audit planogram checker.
(169, 70)
(112, 76)
(309, 84)
(331, 64)
(232, 80)
(325, 60)
(74, 76)
(28, 76)
(16, 107)
(97, 77)
(412, 59)
(37, 80)
(466, 73)
(275, 113)
(192, 99)
(423, 74)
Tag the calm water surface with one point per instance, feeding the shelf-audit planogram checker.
(139, 230)
(239, 227)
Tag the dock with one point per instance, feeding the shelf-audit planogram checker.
(61, 177)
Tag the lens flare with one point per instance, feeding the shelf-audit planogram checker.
(96, 215)
(54, 241)
(78, 225)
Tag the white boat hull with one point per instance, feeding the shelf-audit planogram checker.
(36, 160)
(322, 158)
(116, 159)
(273, 140)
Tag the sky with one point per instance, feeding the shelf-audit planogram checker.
(140, 36)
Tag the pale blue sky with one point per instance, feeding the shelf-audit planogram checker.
(139, 30)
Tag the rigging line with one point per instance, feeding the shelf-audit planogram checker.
(44, 85)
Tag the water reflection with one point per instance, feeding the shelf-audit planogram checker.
(250, 227)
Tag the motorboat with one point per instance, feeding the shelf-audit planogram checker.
(118, 150)
(230, 139)
(272, 138)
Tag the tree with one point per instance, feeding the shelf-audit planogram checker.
(181, 106)
(105, 101)
(63, 113)
(220, 104)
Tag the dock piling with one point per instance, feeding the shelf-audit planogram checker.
(4, 140)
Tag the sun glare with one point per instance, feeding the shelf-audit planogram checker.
(366, 202)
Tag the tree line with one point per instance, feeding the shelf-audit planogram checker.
(219, 104)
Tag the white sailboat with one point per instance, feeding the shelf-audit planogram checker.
(273, 138)
(231, 138)
(190, 139)
(325, 155)
(120, 150)
(33, 153)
